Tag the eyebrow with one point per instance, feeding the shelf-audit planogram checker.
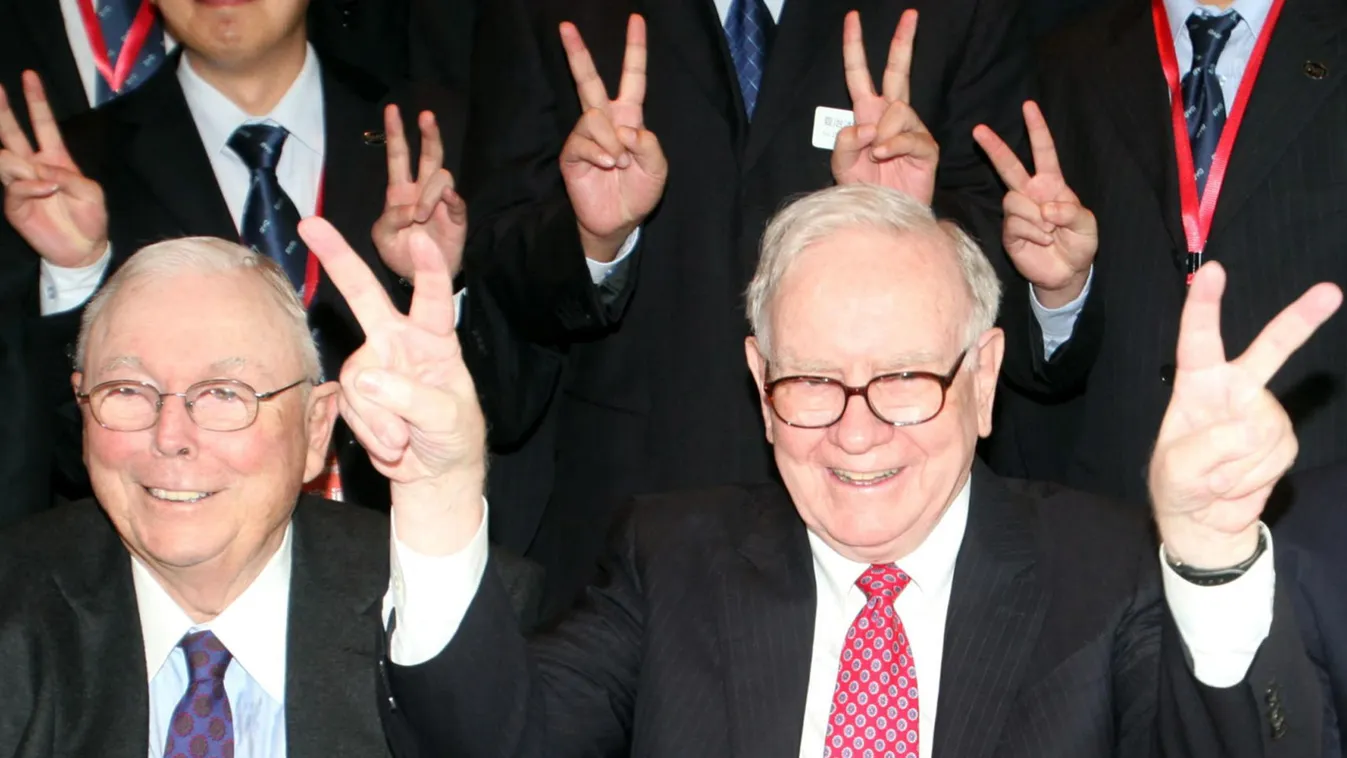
(904, 362)
(228, 364)
(122, 361)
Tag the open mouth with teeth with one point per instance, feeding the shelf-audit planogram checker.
(863, 479)
(178, 496)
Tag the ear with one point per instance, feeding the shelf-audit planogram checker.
(321, 416)
(991, 347)
(76, 379)
(757, 364)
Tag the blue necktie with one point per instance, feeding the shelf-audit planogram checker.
(270, 219)
(115, 17)
(203, 723)
(746, 31)
(1203, 104)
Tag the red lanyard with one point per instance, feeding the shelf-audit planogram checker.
(135, 40)
(311, 267)
(1197, 216)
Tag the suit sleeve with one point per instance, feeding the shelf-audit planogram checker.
(27, 717)
(525, 243)
(570, 692)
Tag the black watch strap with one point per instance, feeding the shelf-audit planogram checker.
(1215, 577)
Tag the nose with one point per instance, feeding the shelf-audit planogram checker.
(175, 434)
(859, 430)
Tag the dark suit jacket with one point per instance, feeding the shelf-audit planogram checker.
(1278, 229)
(658, 395)
(1310, 539)
(71, 645)
(381, 37)
(145, 151)
(698, 642)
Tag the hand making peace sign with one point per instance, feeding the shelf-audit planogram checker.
(55, 208)
(425, 207)
(888, 144)
(1050, 237)
(613, 166)
(1225, 440)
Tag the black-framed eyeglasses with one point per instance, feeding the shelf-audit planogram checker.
(905, 398)
(216, 405)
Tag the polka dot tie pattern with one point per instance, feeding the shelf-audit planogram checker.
(202, 725)
(875, 708)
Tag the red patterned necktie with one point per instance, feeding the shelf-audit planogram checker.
(875, 709)
(202, 726)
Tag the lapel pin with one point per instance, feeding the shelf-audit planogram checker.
(376, 137)
(1315, 70)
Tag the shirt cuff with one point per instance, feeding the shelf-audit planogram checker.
(458, 306)
(1223, 626)
(599, 272)
(65, 288)
(431, 595)
(1057, 324)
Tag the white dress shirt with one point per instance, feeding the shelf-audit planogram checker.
(1058, 323)
(253, 628)
(82, 52)
(1222, 627)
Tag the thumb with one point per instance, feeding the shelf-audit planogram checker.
(645, 147)
(421, 406)
(73, 183)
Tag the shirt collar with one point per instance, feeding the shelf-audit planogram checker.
(253, 627)
(1252, 13)
(931, 565)
(299, 112)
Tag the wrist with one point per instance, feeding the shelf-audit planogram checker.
(603, 248)
(1062, 295)
(439, 516)
(1203, 548)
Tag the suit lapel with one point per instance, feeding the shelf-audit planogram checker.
(692, 30)
(807, 30)
(44, 22)
(1131, 86)
(333, 640)
(166, 151)
(355, 167)
(1285, 99)
(996, 609)
(767, 601)
(111, 655)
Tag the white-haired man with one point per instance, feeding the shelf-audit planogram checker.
(201, 606)
(894, 598)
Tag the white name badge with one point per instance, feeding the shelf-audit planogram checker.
(827, 123)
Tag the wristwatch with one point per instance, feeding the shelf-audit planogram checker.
(1215, 577)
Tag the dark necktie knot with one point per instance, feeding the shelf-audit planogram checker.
(1209, 34)
(259, 145)
(207, 657)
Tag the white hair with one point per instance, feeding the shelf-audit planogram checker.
(810, 219)
(206, 255)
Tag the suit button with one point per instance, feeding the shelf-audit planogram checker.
(1167, 373)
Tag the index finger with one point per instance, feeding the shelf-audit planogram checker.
(1200, 344)
(859, 83)
(1289, 330)
(12, 137)
(432, 147)
(1040, 140)
(898, 71)
(395, 146)
(1003, 159)
(433, 291)
(588, 85)
(632, 87)
(351, 276)
(39, 112)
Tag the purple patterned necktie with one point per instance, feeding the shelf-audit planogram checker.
(202, 725)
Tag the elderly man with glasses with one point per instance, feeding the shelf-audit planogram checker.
(891, 597)
(202, 606)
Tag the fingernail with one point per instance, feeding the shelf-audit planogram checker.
(623, 160)
(607, 161)
(369, 381)
(881, 152)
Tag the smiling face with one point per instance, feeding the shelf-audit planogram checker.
(235, 34)
(185, 498)
(856, 305)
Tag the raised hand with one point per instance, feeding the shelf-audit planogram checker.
(888, 144)
(425, 207)
(1050, 237)
(613, 166)
(60, 212)
(1225, 440)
